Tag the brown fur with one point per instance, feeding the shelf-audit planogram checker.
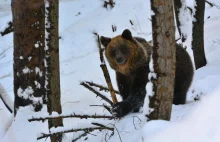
(132, 72)
(135, 59)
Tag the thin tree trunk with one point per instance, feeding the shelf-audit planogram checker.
(177, 6)
(53, 69)
(164, 59)
(198, 35)
(29, 70)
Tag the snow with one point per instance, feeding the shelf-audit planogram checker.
(29, 58)
(26, 70)
(198, 126)
(185, 18)
(5, 123)
(37, 71)
(37, 84)
(25, 93)
(149, 87)
(36, 45)
(79, 61)
(20, 125)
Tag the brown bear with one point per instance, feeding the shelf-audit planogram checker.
(129, 57)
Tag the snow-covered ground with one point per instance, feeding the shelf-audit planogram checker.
(196, 121)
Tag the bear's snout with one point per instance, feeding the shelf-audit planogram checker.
(120, 60)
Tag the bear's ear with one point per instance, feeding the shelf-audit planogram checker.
(105, 40)
(127, 34)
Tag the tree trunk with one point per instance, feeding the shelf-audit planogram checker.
(198, 34)
(53, 69)
(29, 70)
(164, 59)
(177, 6)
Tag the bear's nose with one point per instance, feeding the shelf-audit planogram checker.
(119, 60)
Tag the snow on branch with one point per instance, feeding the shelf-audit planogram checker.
(71, 116)
(86, 130)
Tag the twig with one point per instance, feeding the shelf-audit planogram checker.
(6, 105)
(178, 39)
(114, 28)
(110, 2)
(87, 130)
(6, 99)
(190, 9)
(134, 123)
(211, 4)
(97, 93)
(71, 116)
(105, 72)
(117, 132)
(131, 22)
(105, 106)
(8, 29)
(108, 108)
(101, 125)
(98, 124)
(101, 88)
(80, 136)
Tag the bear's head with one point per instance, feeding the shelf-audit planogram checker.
(122, 52)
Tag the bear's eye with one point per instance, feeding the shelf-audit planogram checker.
(124, 50)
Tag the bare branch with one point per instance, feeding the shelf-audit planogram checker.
(87, 130)
(114, 28)
(209, 3)
(190, 9)
(6, 99)
(106, 73)
(96, 92)
(8, 29)
(117, 132)
(101, 88)
(131, 22)
(110, 2)
(71, 116)
(98, 124)
(105, 106)
(80, 136)
(6, 105)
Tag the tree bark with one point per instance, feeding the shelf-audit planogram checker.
(164, 59)
(29, 70)
(198, 35)
(53, 69)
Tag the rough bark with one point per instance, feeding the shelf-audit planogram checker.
(163, 59)
(198, 35)
(29, 70)
(53, 69)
